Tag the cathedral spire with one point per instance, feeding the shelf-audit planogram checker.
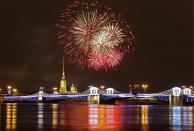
(63, 75)
(63, 84)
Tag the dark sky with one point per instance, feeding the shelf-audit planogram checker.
(30, 56)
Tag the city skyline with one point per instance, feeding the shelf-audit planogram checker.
(162, 56)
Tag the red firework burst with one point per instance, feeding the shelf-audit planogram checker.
(93, 35)
(98, 61)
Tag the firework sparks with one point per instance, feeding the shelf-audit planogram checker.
(85, 26)
(93, 35)
(103, 61)
(108, 38)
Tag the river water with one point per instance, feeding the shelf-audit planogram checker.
(41, 116)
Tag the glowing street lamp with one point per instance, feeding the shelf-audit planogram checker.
(9, 90)
(55, 91)
(102, 87)
(144, 86)
(54, 88)
(15, 91)
(9, 87)
(41, 88)
(130, 88)
(136, 86)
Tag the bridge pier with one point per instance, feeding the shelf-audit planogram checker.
(175, 100)
(94, 97)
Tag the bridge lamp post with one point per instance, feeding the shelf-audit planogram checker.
(135, 87)
(55, 90)
(15, 91)
(102, 87)
(41, 88)
(145, 86)
(9, 90)
(130, 88)
(184, 86)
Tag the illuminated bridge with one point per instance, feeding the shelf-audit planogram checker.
(96, 96)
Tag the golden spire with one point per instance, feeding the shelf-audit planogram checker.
(63, 75)
(63, 84)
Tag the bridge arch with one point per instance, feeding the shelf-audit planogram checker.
(187, 91)
(176, 91)
(93, 90)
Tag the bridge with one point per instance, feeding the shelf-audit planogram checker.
(94, 95)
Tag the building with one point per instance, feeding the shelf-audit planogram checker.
(63, 83)
(73, 89)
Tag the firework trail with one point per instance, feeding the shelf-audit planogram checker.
(93, 35)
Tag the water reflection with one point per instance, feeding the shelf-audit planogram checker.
(11, 116)
(54, 115)
(62, 116)
(176, 115)
(144, 117)
(181, 117)
(188, 116)
(104, 116)
(95, 117)
(0, 115)
(40, 115)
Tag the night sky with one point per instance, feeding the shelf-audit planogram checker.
(163, 57)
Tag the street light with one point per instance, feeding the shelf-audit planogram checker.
(41, 88)
(130, 88)
(102, 87)
(136, 86)
(145, 86)
(15, 91)
(9, 90)
(9, 87)
(54, 88)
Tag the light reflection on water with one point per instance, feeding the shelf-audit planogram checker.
(104, 116)
(0, 115)
(115, 117)
(54, 115)
(11, 116)
(40, 115)
(144, 117)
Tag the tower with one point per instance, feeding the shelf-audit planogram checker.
(63, 83)
(73, 89)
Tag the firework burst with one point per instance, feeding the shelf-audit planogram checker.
(108, 38)
(85, 26)
(93, 35)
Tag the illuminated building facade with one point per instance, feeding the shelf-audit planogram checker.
(73, 89)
